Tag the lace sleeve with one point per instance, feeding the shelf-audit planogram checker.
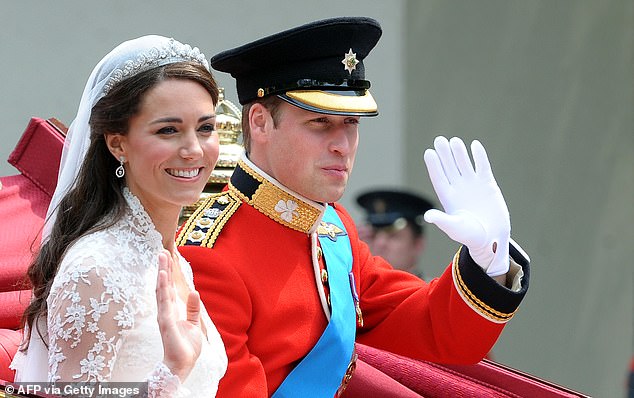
(89, 310)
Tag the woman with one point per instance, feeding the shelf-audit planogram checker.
(142, 145)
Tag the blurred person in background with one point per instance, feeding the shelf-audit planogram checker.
(393, 227)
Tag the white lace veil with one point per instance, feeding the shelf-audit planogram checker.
(124, 61)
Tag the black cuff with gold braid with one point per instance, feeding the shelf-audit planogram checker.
(483, 293)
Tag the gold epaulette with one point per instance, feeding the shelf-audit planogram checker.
(204, 225)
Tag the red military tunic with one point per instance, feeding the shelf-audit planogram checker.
(255, 259)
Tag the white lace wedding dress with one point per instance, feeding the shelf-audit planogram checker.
(102, 316)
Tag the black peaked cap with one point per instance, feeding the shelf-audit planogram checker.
(308, 57)
(384, 207)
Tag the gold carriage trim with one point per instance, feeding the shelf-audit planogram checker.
(278, 204)
(473, 301)
(205, 224)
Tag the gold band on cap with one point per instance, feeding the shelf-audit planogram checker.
(330, 101)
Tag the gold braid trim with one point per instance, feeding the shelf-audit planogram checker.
(473, 301)
(268, 196)
(203, 227)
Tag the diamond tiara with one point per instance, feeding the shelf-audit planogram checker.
(172, 51)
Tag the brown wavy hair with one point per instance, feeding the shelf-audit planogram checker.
(96, 201)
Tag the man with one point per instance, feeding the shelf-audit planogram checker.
(279, 263)
(394, 226)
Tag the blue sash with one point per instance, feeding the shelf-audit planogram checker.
(321, 371)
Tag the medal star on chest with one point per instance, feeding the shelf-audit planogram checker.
(330, 230)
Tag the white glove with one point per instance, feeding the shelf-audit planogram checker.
(475, 212)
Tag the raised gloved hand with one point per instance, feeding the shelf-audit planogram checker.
(475, 211)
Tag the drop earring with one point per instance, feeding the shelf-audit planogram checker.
(120, 171)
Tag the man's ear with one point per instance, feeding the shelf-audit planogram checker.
(116, 145)
(260, 122)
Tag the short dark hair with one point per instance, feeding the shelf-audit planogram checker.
(272, 103)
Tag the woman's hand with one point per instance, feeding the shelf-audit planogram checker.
(182, 339)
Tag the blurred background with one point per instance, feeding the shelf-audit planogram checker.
(546, 85)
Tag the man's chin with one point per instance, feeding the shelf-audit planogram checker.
(333, 197)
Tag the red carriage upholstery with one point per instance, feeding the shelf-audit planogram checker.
(383, 374)
(24, 199)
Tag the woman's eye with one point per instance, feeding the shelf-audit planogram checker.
(208, 128)
(167, 130)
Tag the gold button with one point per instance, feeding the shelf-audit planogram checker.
(324, 276)
(319, 252)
